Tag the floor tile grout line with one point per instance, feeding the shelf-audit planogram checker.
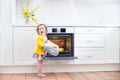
(83, 75)
(111, 74)
(11, 77)
(100, 76)
(55, 76)
(70, 76)
(26, 76)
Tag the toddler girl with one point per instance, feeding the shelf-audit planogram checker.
(40, 54)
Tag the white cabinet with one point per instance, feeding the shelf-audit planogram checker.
(92, 45)
(90, 40)
(112, 45)
(89, 55)
(5, 9)
(1, 47)
(97, 45)
(24, 45)
(89, 44)
(5, 44)
(0, 8)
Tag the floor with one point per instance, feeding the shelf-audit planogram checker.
(64, 76)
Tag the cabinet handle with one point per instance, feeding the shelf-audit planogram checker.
(89, 56)
(89, 30)
(89, 41)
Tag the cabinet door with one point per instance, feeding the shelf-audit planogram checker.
(89, 55)
(89, 30)
(1, 48)
(0, 8)
(24, 45)
(90, 40)
(112, 45)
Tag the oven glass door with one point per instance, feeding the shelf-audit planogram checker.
(65, 43)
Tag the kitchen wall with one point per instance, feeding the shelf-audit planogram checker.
(75, 12)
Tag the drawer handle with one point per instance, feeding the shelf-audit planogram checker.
(89, 30)
(89, 56)
(89, 41)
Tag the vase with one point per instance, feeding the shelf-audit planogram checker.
(26, 20)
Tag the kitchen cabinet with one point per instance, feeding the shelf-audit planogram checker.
(89, 45)
(90, 40)
(112, 45)
(97, 45)
(5, 9)
(5, 44)
(0, 8)
(5, 33)
(24, 45)
(1, 47)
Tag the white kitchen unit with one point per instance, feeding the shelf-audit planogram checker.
(112, 45)
(24, 45)
(92, 45)
(5, 33)
(89, 45)
(0, 8)
(1, 47)
(5, 44)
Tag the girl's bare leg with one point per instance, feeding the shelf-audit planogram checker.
(40, 68)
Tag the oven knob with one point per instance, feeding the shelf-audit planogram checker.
(63, 30)
(54, 29)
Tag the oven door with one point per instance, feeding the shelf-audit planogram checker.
(65, 41)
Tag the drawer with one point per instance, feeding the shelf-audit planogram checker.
(79, 51)
(91, 56)
(89, 30)
(90, 53)
(89, 40)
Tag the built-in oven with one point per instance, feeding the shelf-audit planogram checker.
(65, 42)
(64, 38)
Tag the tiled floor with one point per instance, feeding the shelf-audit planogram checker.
(64, 76)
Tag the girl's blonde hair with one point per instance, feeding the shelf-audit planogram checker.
(39, 26)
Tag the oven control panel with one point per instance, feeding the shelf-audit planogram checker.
(60, 29)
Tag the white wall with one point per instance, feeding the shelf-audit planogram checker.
(76, 12)
(96, 13)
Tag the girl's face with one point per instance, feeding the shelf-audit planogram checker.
(42, 30)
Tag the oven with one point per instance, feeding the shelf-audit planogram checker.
(64, 38)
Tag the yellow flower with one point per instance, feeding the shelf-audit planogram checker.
(26, 14)
(29, 14)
